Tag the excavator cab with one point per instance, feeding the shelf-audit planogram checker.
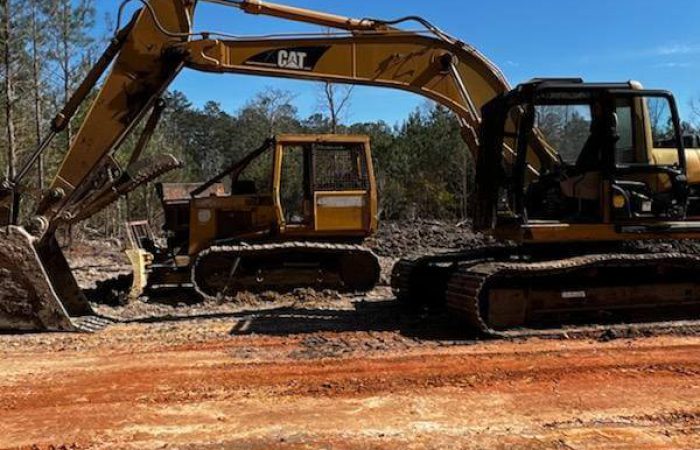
(621, 168)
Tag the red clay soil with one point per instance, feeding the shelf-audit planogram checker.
(205, 384)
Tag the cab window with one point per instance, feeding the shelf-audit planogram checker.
(565, 128)
(625, 151)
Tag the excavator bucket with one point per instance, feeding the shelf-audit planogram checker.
(37, 290)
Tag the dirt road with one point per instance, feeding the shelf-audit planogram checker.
(342, 378)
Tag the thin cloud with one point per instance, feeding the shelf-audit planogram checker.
(660, 51)
(672, 65)
(676, 49)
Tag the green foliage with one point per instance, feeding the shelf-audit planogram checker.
(426, 169)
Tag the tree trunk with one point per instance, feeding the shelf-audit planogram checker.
(9, 90)
(336, 101)
(36, 75)
(149, 213)
(65, 17)
(330, 98)
(465, 185)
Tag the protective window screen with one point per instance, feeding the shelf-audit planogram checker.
(340, 168)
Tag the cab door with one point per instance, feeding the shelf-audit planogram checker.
(342, 188)
(327, 187)
(648, 181)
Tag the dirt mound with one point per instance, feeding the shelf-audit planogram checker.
(409, 238)
(692, 247)
(93, 262)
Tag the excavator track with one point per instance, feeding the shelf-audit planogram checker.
(225, 270)
(507, 299)
(401, 275)
(422, 280)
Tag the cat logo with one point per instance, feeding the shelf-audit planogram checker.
(291, 60)
(294, 58)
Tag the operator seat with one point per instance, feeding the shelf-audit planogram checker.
(583, 181)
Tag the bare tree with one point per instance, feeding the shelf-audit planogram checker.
(274, 104)
(336, 100)
(695, 110)
(658, 115)
(68, 31)
(9, 88)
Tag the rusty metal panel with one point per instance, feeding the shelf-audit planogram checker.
(179, 192)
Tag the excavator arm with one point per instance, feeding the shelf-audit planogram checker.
(452, 75)
(145, 57)
(141, 71)
(37, 289)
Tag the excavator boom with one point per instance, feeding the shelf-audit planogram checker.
(160, 42)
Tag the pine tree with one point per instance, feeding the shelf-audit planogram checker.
(71, 44)
(37, 42)
(8, 49)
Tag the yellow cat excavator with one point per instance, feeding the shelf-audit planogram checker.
(570, 174)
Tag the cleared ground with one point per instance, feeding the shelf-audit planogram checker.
(321, 370)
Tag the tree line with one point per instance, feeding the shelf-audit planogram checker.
(46, 48)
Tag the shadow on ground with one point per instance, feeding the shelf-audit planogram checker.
(321, 314)
(364, 316)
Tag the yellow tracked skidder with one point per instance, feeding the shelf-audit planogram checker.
(299, 224)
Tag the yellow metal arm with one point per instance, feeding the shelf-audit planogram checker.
(300, 15)
(406, 61)
(140, 74)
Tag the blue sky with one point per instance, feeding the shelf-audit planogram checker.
(655, 42)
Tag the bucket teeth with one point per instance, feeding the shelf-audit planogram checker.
(91, 324)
